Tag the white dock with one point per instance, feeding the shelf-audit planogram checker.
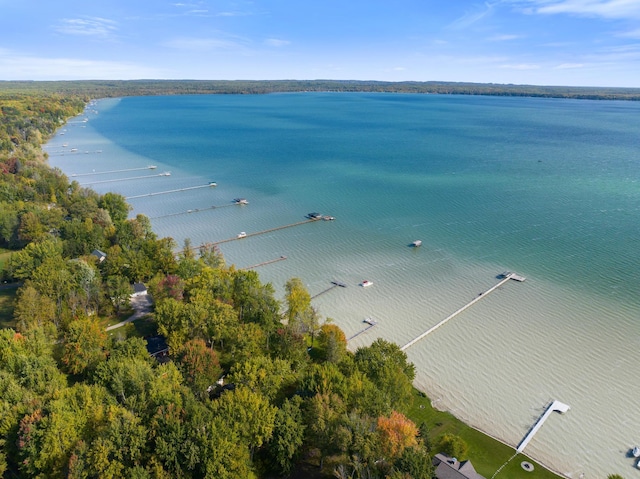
(125, 179)
(505, 277)
(555, 406)
(150, 167)
(177, 190)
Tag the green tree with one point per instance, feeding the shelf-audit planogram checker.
(119, 290)
(116, 205)
(288, 436)
(247, 413)
(452, 446)
(264, 375)
(298, 300)
(415, 462)
(33, 309)
(84, 345)
(386, 365)
(332, 343)
(323, 414)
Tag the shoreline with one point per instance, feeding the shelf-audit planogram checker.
(515, 417)
(479, 429)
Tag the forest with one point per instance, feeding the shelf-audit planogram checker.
(115, 88)
(255, 387)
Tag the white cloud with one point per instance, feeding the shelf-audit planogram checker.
(520, 66)
(87, 26)
(469, 18)
(504, 38)
(17, 66)
(276, 42)
(619, 9)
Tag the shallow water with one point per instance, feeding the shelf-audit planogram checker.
(547, 188)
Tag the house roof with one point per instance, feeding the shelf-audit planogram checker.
(450, 468)
(101, 255)
(156, 345)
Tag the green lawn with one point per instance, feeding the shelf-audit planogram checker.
(4, 257)
(486, 454)
(6, 307)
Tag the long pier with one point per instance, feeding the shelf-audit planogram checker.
(264, 263)
(177, 190)
(150, 167)
(270, 230)
(196, 210)
(505, 277)
(126, 179)
(555, 406)
(371, 324)
(325, 291)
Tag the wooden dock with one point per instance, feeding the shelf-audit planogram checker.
(264, 263)
(505, 277)
(270, 230)
(126, 179)
(75, 175)
(196, 210)
(177, 190)
(333, 286)
(371, 323)
(555, 406)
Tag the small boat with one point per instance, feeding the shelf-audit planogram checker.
(366, 283)
(152, 167)
(64, 145)
(370, 321)
(314, 216)
(73, 149)
(213, 183)
(242, 234)
(328, 218)
(166, 173)
(635, 452)
(417, 243)
(240, 201)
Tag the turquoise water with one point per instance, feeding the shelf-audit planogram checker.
(545, 187)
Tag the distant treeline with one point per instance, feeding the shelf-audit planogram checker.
(109, 88)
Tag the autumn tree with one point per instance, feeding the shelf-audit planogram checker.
(396, 433)
(200, 366)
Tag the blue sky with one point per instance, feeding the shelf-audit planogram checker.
(541, 42)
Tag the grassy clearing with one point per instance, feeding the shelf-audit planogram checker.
(6, 307)
(486, 454)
